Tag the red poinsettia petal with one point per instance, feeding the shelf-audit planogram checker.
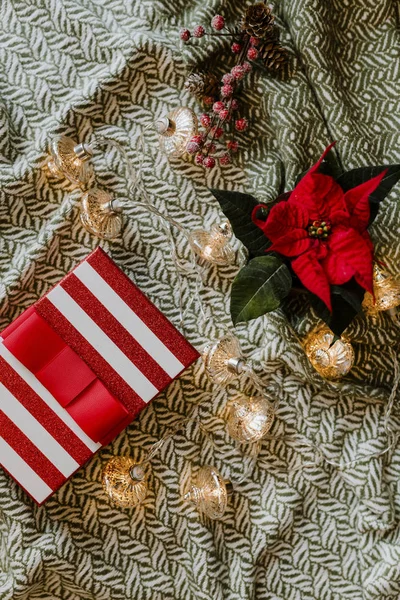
(319, 193)
(350, 255)
(312, 276)
(357, 201)
(282, 219)
(293, 243)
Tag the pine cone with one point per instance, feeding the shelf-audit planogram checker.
(258, 20)
(274, 56)
(202, 84)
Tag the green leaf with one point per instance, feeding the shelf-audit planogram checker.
(259, 288)
(329, 166)
(346, 304)
(351, 179)
(237, 207)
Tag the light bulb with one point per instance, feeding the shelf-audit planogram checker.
(70, 160)
(208, 493)
(331, 359)
(213, 245)
(249, 419)
(223, 360)
(100, 214)
(175, 130)
(386, 291)
(125, 481)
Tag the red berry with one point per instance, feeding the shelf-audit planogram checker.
(232, 145)
(226, 91)
(252, 53)
(198, 159)
(192, 147)
(210, 148)
(185, 35)
(205, 120)
(234, 104)
(247, 67)
(218, 22)
(197, 139)
(209, 162)
(236, 48)
(238, 72)
(224, 115)
(199, 31)
(254, 41)
(208, 100)
(225, 159)
(217, 132)
(228, 79)
(241, 124)
(218, 106)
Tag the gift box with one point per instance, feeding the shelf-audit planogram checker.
(76, 368)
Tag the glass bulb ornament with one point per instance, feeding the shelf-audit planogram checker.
(249, 419)
(70, 160)
(100, 214)
(331, 358)
(213, 246)
(208, 493)
(175, 130)
(386, 291)
(125, 481)
(223, 360)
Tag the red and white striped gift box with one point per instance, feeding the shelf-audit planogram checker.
(75, 370)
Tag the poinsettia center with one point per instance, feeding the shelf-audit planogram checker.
(319, 229)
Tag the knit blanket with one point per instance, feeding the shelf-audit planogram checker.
(291, 532)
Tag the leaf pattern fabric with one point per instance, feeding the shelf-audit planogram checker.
(109, 68)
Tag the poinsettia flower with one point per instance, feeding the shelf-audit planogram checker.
(323, 231)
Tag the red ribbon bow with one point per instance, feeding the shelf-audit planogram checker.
(67, 377)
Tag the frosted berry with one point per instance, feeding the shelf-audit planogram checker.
(218, 22)
(252, 53)
(232, 145)
(208, 100)
(226, 91)
(238, 72)
(247, 67)
(234, 104)
(218, 106)
(199, 159)
(185, 35)
(224, 115)
(241, 124)
(225, 159)
(199, 31)
(236, 48)
(254, 41)
(217, 132)
(205, 120)
(228, 79)
(197, 139)
(192, 147)
(209, 162)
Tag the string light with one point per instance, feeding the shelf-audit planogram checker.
(70, 160)
(386, 292)
(175, 131)
(214, 245)
(331, 358)
(209, 493)
(125, 481)
(100, 214)
(249, 419)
